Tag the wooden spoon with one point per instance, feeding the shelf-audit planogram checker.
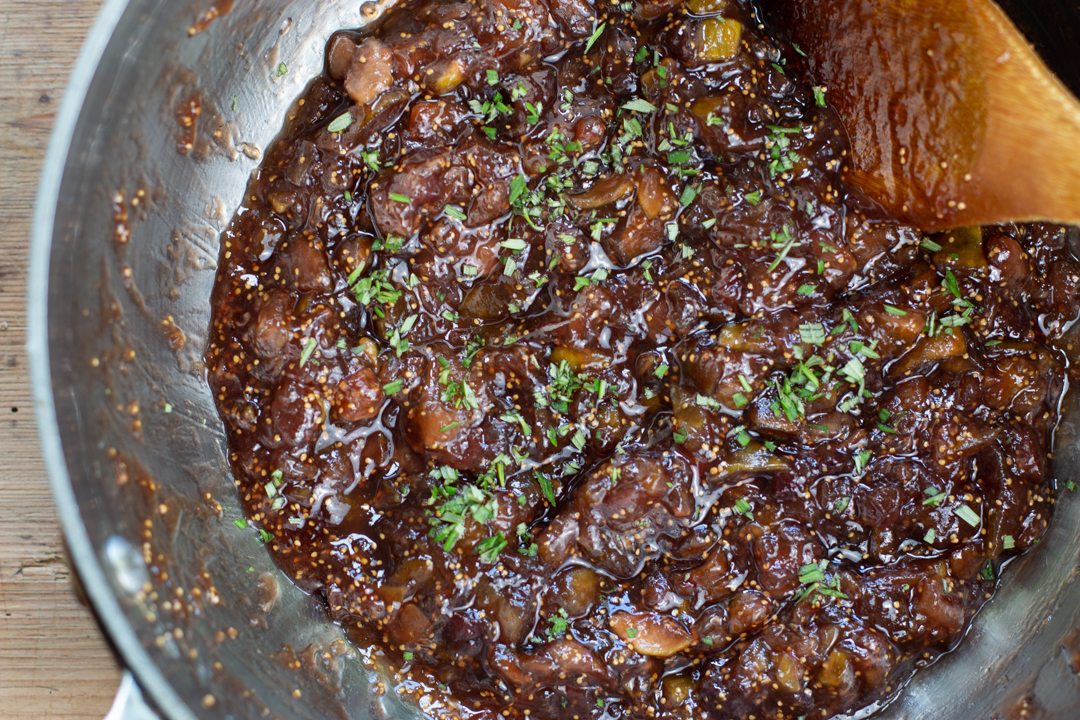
(953, 119)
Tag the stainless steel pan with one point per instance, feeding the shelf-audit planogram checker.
(125, 246)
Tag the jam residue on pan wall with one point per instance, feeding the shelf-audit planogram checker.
(553, 353)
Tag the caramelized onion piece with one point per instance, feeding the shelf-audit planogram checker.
(603, 192)
(649, 634)
(719, 39)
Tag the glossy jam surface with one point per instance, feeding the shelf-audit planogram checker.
(553, 353)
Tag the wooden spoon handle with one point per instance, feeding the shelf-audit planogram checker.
(1029, 164)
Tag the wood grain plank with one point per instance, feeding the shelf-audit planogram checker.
(53, 660)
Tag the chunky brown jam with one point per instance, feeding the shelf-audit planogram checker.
(555, 355)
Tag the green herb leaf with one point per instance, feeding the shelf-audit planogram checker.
(639, 105)
(546, 488)
(951, 284)
(786, 241)
(341, 122)
(678, 157)
(594, 37)
(398, 197)
(517, 186)
(967, 515)
(707, 402)
(457, 505)
(812, 333)
(688, 194)
(854, 372)
(392, 388)
(371, 159)
(376, 287)
(847, 316)
(489, 548)
(855, 347)
(578, 440)
(861, 459)
(282, 68)
(934, 497)
(558, 624)
(515, 244)
(532, 113)
(812, 573)
(788, 402)
(672, 229)
(309, 347)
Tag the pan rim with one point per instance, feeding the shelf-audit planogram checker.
(103, 600)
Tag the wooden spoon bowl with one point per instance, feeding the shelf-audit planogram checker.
(953, 118)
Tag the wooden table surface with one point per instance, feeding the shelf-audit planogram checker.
(53, 661)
